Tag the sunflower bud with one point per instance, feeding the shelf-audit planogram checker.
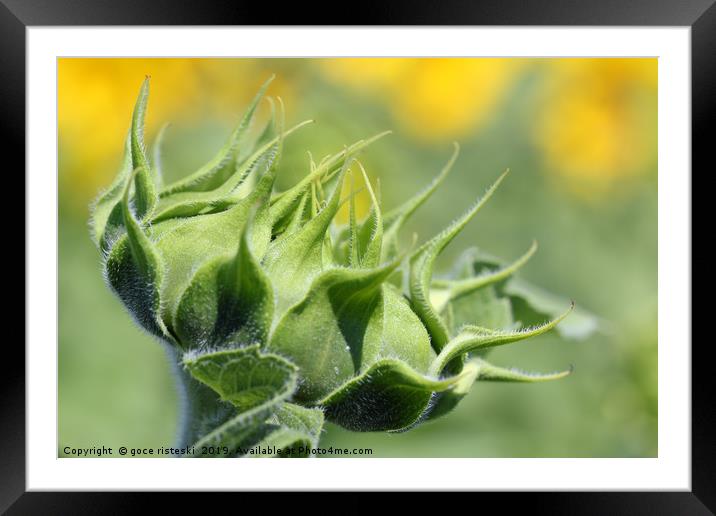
(280, 316)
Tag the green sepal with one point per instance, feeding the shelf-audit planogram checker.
(228, 302)
(107, 221)
(483, 290)
(136, 272)
(187, 244)
(444, 402)
(139, 158)
(476, 338)
(388, 396)
(478, 369)
(294, 261)
(474, 295)
(188, 204)
(370, 234)
(421, 270)
(353, 254)
(485, 307)
(492, 373)
(298, 218)
(330, 334)
(145, 194)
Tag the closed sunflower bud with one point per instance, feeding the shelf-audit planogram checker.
(279, 317)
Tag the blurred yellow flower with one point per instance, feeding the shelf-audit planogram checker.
(596, 124)
(433, 99)
(593, 120)
(368, 74)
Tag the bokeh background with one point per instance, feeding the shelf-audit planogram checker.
(580, 137)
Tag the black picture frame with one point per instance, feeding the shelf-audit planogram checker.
(700, 15)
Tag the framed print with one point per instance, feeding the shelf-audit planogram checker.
(445, 249)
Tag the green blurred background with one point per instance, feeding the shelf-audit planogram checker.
(580, 137)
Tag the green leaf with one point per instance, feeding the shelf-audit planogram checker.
(214, 173)
(389, 396)
(256, 383)
(395, 219)
(245, 377)
(227, 302)
(421, 270)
